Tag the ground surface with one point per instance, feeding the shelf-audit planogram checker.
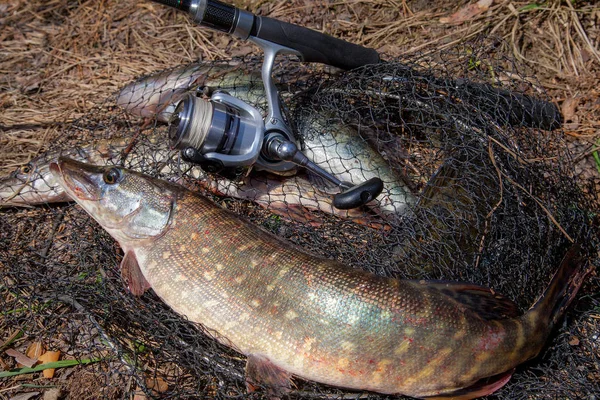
(58, 58)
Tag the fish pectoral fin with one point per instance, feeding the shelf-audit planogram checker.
(261, 372)
(132, 274)
(483, 301)
(482, 387)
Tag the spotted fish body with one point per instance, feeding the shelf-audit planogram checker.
(292, 313)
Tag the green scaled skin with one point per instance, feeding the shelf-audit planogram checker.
(294, 314)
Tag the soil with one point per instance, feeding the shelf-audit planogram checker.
(59, 58)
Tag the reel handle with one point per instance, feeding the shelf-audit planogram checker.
(276, 147)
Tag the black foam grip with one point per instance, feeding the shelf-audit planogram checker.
(314, 46)
(358, 195)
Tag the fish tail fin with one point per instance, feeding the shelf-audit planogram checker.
(551, 306)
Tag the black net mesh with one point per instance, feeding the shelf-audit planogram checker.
(477, 189)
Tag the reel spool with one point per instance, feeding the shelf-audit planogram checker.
(223, 135)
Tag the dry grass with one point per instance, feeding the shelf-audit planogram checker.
(58, 58)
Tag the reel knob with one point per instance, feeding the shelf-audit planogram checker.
(192, 155)
(358, 195)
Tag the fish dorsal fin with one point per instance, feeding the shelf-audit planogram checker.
(482, 387)
(132, 274)
(484, 302)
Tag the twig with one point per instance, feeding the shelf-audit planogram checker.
(539, 203)
(55, 226)
(50, 365)
(493, 210)
(26, 127)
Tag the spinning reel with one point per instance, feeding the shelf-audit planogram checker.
(225, 135)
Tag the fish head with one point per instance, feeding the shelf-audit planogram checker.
(132, 207)
(31, 184)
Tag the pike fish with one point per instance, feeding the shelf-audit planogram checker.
(336, 147)
(293, 314)
(339, 149)
(157, 95)
(291, 197)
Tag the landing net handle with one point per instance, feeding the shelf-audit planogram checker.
(318, 47)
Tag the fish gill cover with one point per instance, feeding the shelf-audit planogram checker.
(478, 188)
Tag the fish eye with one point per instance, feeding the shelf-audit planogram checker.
(27, 168)
(111, 176)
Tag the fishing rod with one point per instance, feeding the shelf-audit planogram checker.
(225, 133)
(310, 45)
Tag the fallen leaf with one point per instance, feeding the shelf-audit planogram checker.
(28, 84)
(241, 51)
(585, 55)
(47, 357)
(21, 358)
(157, 385)
(467, 12)
(139, 394)
(569, 107)
(574, 341)
(571, 126)
(35, 350)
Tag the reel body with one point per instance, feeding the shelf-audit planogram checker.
(222, 135)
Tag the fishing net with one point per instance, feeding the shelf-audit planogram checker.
(479, 187)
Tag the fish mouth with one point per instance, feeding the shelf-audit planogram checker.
(81, 181)
(10, 189)
(15, 192)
